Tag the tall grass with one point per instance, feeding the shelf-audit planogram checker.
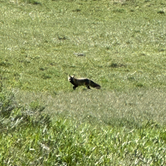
(129, 109)
(29, 137)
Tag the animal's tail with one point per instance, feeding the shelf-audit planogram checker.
(94, 85)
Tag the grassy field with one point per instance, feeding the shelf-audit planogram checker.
(124, 48)
(124, 44)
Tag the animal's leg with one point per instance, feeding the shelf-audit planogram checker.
(88, 86)
(74, 87)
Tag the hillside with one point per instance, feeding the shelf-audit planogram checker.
(43, 121)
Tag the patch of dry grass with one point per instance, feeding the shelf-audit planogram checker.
(130, 108)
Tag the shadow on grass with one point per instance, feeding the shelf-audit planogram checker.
(33, 2)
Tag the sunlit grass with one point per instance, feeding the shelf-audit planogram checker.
(30, 137)
(123, 49)
(123, 43)
(128, 109)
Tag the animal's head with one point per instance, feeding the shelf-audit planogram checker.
(70, 78)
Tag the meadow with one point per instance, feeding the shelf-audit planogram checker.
(43, 121)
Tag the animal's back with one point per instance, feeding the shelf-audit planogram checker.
(82, 81)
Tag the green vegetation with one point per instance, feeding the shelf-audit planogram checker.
(29, 137)
(43, 121)
(124, 44)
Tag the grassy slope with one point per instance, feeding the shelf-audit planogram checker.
(29, 137)
(124, 44)
(125, 51)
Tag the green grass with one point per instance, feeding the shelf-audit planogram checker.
(128, 109)
(29, 137)
(124, 44)
(43, 121)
